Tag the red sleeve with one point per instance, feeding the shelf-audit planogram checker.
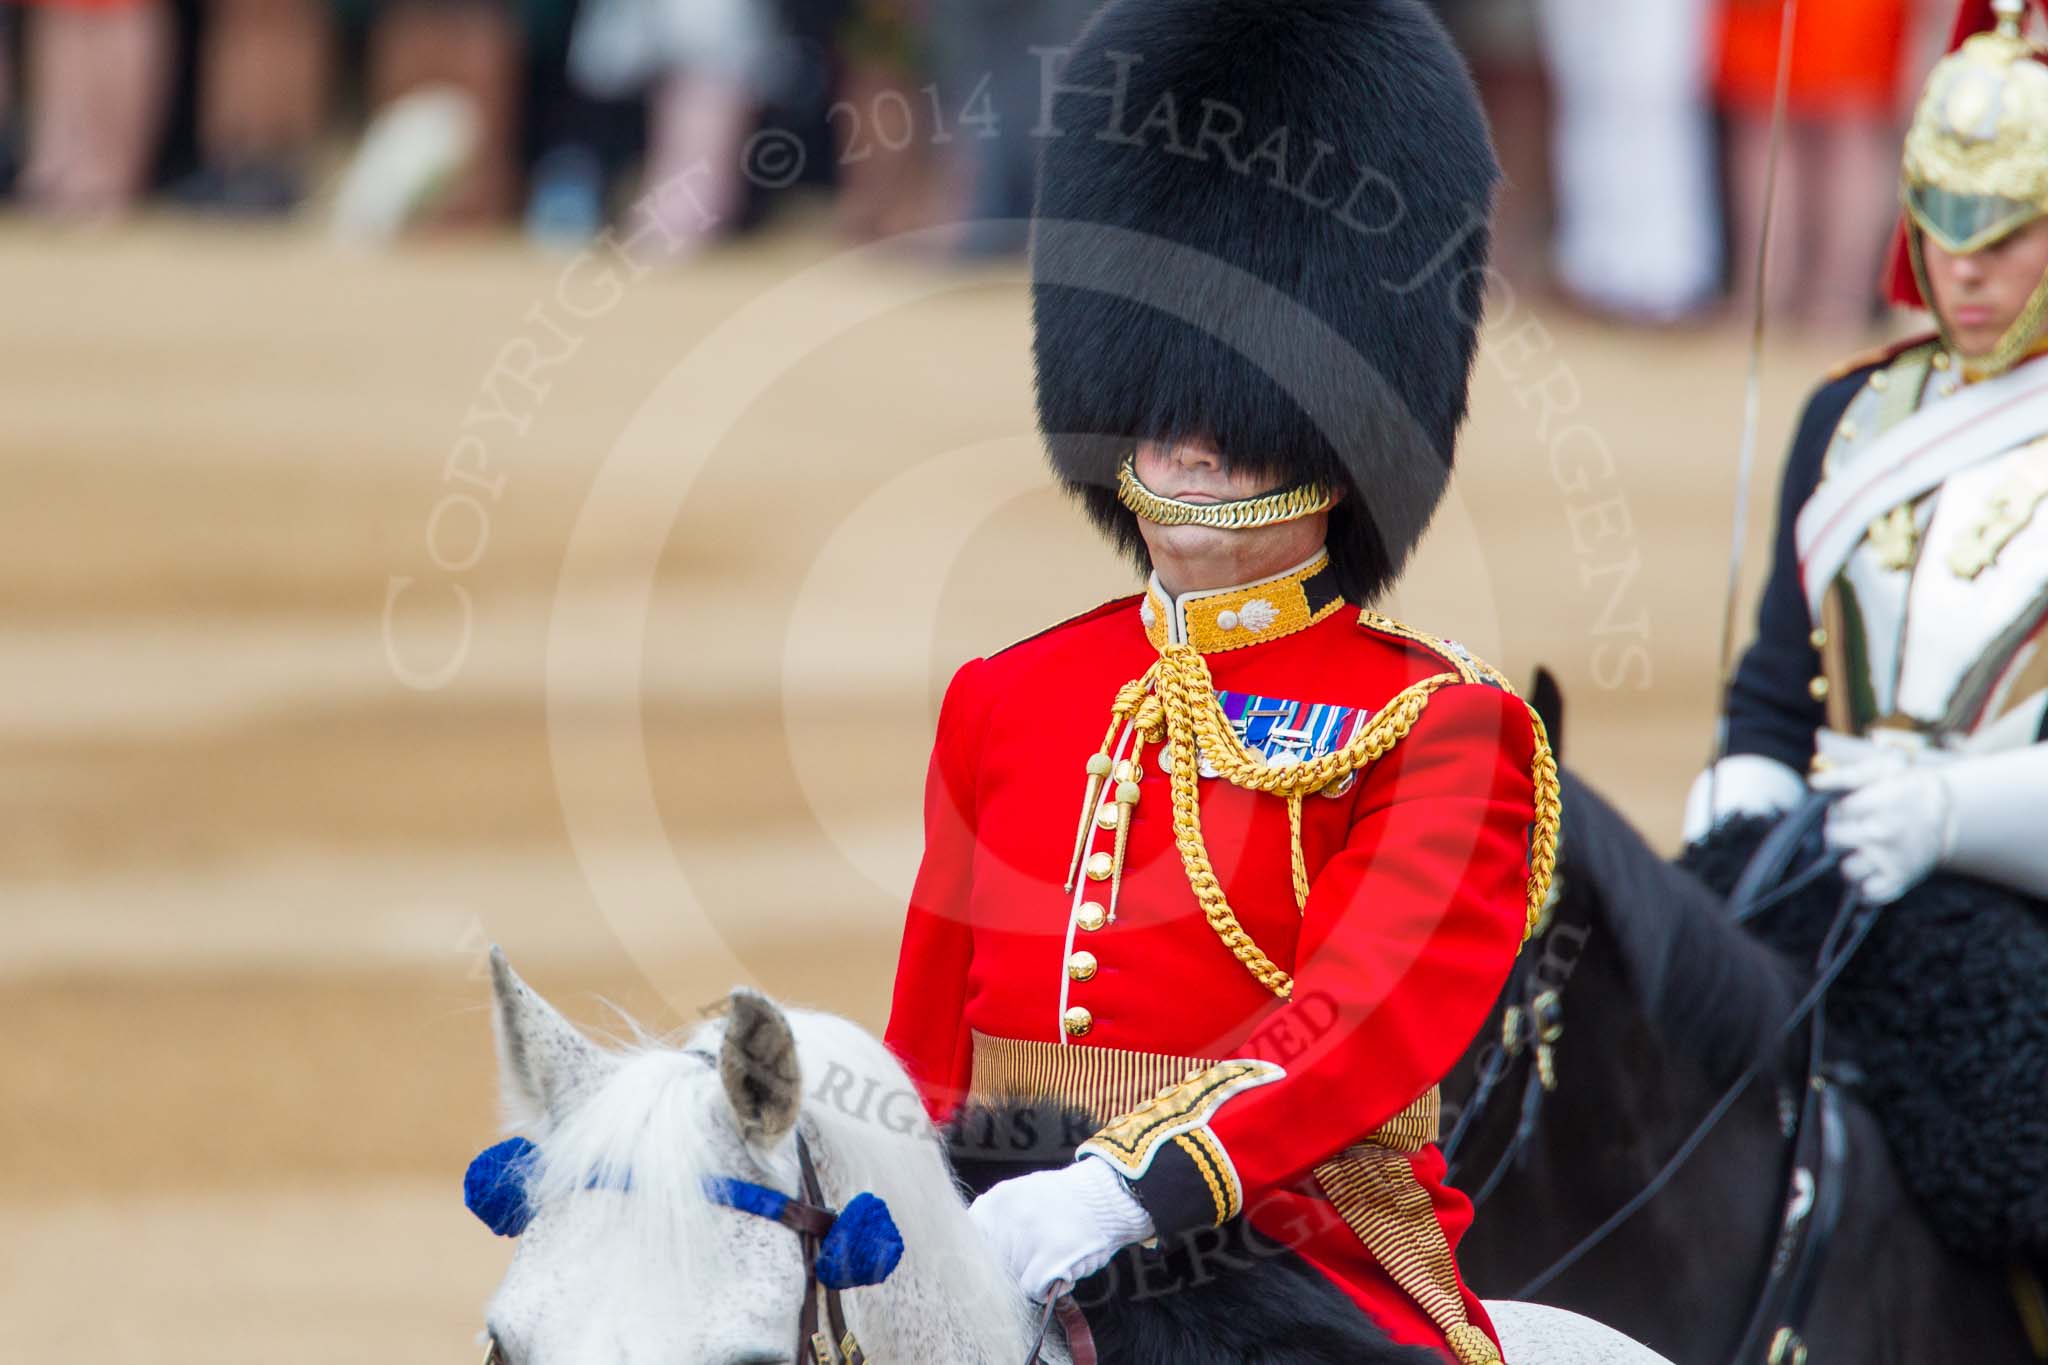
(927, 1024)
(1409, 934)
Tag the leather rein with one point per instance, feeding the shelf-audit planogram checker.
(1814, 1124)
(823, 1337)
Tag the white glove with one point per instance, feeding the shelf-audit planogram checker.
(1977, 814)
(1846, 763)
(1063, 1225)
(1741, 784)
(1892, 832)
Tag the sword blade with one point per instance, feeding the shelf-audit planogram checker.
(1752, 396)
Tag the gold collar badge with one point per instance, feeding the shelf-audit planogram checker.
(1250, 614)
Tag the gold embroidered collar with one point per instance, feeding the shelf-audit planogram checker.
(1217, 619)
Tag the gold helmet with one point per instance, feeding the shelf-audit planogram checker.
(1976, 162)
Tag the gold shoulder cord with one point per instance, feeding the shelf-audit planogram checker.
(1175, 703)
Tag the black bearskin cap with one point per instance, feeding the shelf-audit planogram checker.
(1264, 223)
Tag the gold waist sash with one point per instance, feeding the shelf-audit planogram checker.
(1371, 1185)
(1107, 1082)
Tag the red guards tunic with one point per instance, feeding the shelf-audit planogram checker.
(1419, 875)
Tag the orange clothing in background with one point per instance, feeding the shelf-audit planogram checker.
(81, 5)
(1846, 56)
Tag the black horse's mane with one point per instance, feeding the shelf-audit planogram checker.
(1710, 990)
(1226, 1296)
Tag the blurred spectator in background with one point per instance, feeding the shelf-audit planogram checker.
(1837, 176)
(445, 83)
(923, 112)
(97, 81)
(1638, 217)
(1498, 37)
(989, 91)
(265, 83)
(891, 179)
(707, 68)
(8, 123)
(469, 50)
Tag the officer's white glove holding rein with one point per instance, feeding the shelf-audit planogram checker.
(1061, 1225)
(1907, 810)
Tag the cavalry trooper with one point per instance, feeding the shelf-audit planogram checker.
(1233, 865)
(1899, 655)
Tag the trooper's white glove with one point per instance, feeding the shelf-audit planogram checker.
(1740, 784)
(1892, 832)
(1977, 814)
(1062, 1225)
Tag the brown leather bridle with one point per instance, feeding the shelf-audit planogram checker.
(823, 1337)
(811, 1219)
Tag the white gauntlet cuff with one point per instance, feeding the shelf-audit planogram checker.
(1740, 784)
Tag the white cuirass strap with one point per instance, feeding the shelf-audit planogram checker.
(1987, 419)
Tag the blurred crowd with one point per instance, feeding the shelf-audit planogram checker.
(1635, 132)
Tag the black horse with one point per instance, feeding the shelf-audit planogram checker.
(1649, 1002)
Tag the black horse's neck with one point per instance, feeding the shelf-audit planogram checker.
(1624, 1101)
(1661, 1004)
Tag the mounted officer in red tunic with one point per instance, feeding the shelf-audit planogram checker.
(1233, 865)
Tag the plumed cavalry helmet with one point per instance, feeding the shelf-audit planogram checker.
(1263, 225)
(1976, 163)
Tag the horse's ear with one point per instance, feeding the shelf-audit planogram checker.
(1546, 696)
(758, 1065)
(545, 1067)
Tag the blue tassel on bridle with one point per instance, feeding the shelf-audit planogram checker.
(494, 1187)
(859, 1245)
(863, 1246)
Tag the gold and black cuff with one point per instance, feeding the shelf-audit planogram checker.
(1166, 1151)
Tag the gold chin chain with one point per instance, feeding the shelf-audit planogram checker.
(1175, 703)
(1245, 514)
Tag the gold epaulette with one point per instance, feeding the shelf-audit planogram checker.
(1543, 833)
(1882, 355)
(1468, 666)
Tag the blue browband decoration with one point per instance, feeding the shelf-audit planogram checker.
(862, 1247)
(759, 1200)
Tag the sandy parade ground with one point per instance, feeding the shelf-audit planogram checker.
(357, 611)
